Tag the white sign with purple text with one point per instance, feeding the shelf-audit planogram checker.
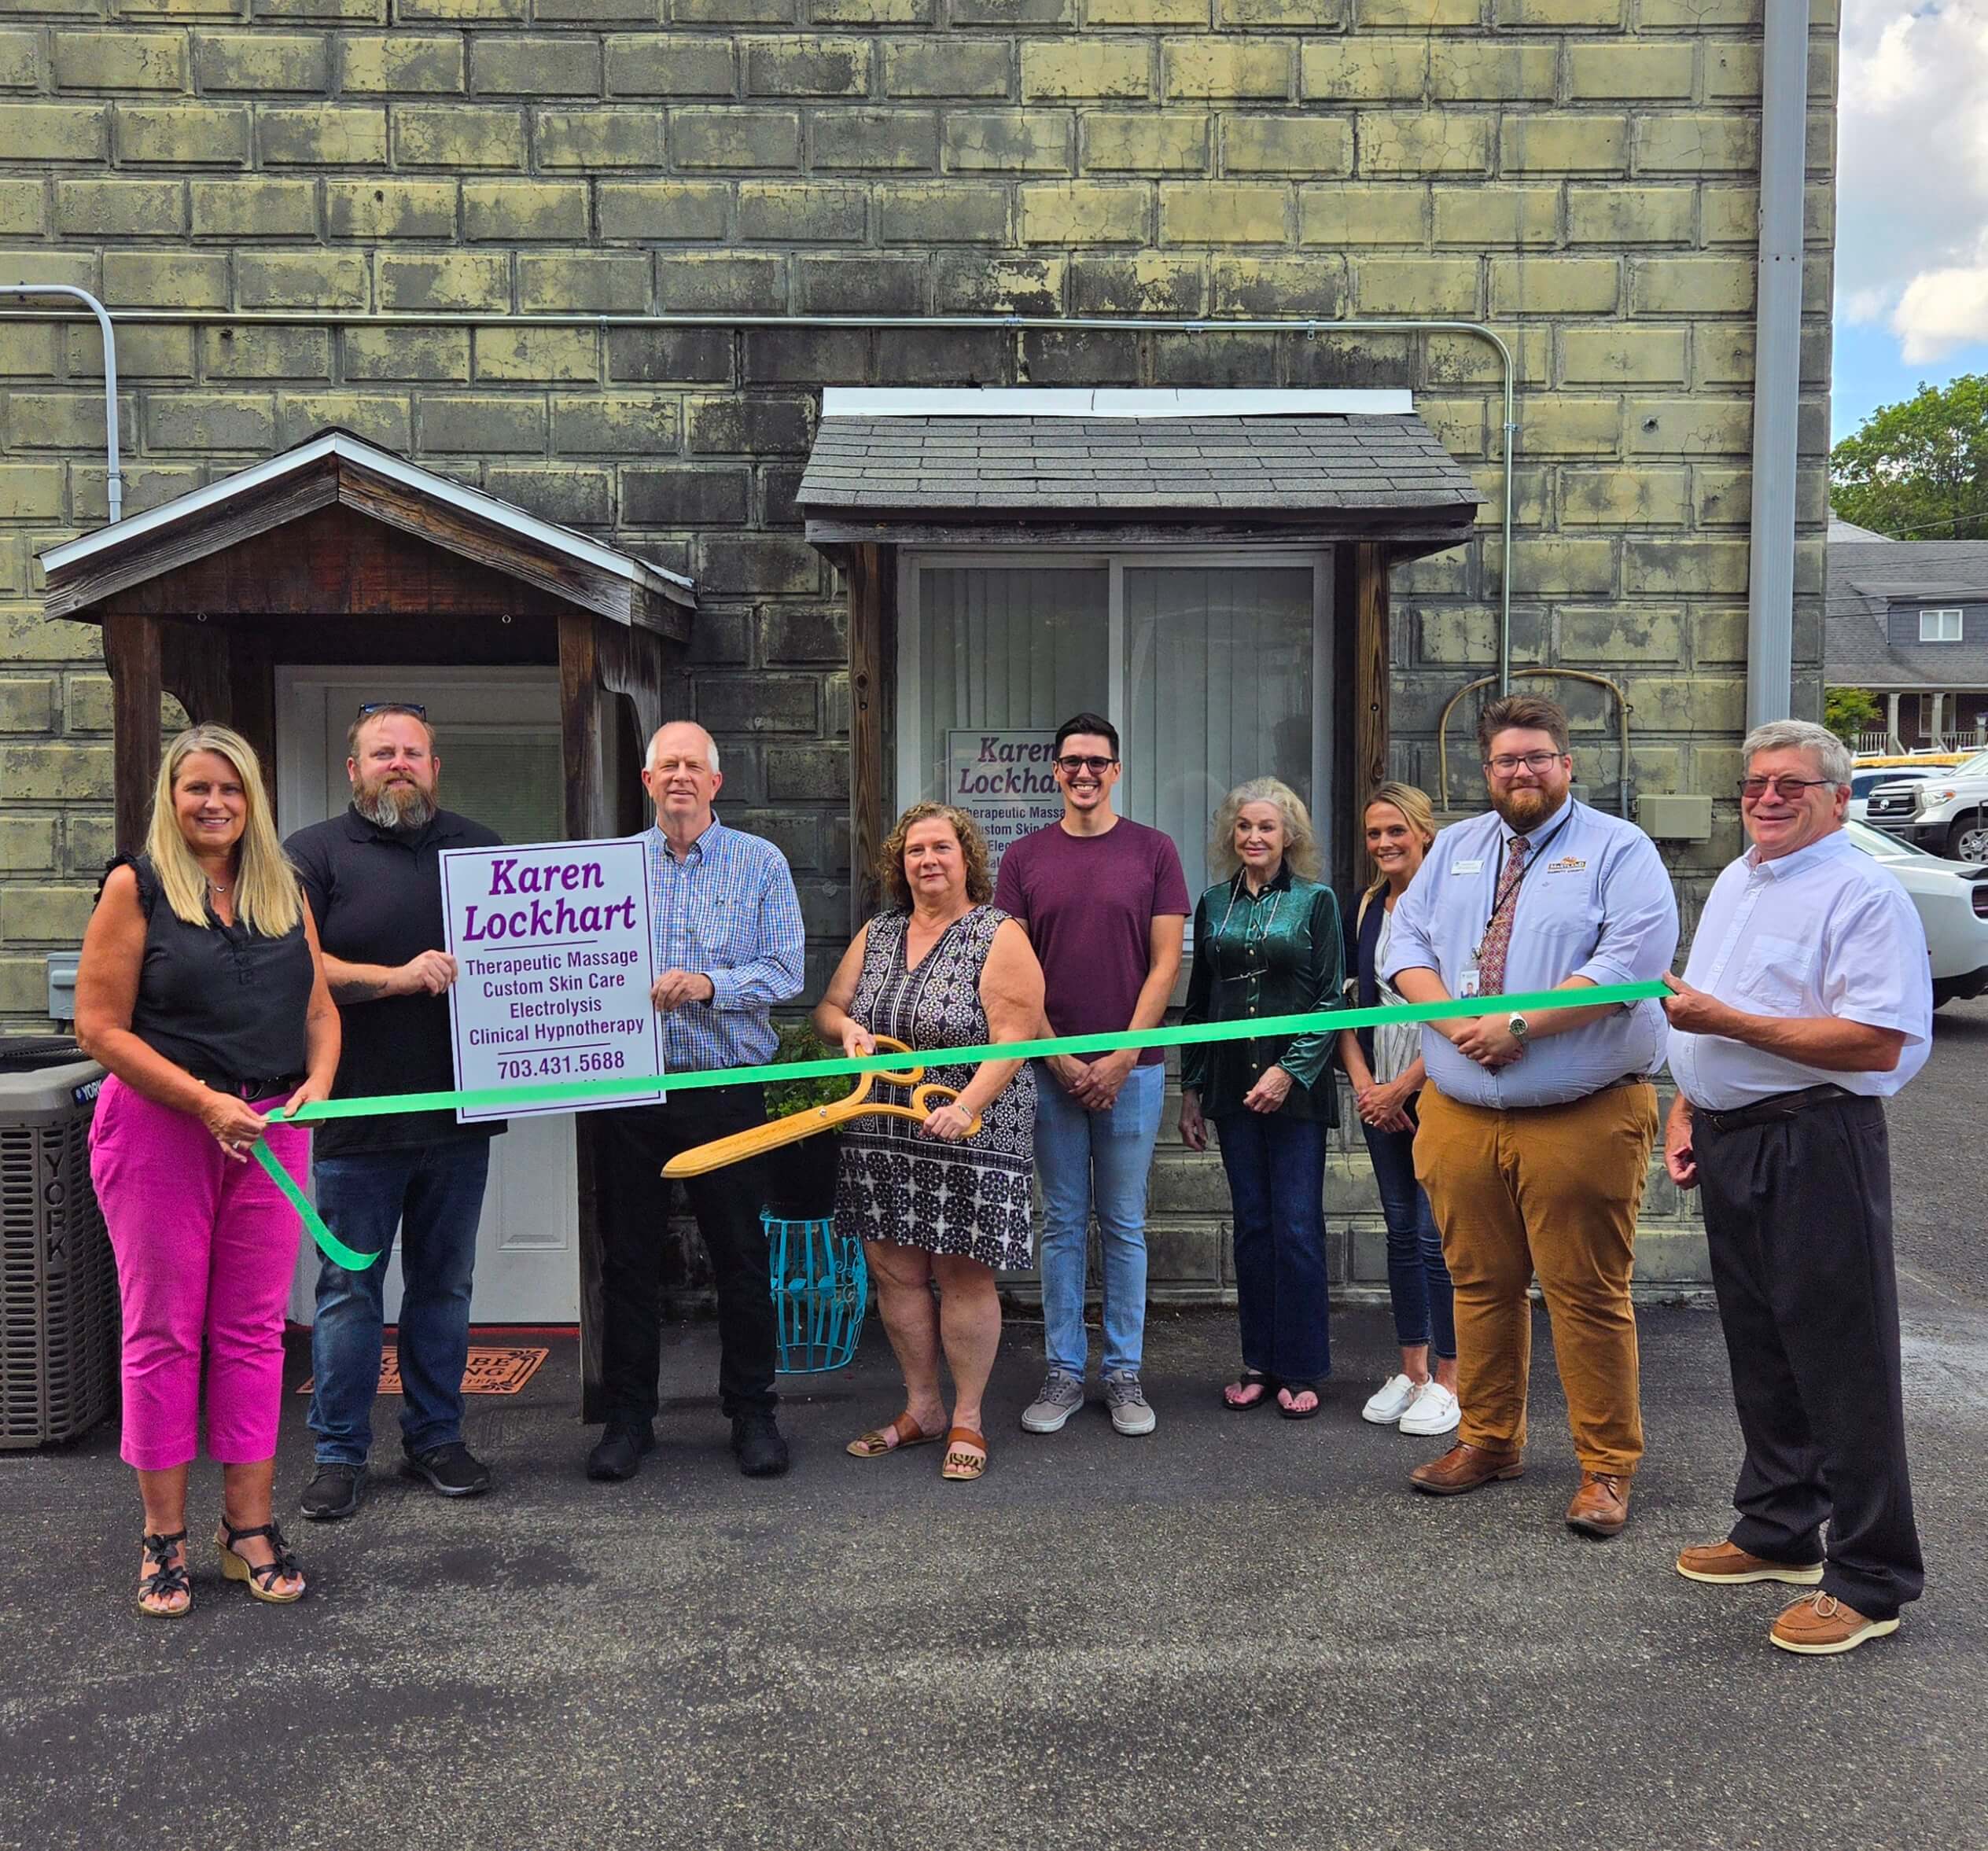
(1004, 779)
(555, 959)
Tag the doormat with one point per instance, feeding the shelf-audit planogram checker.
(492, 1369)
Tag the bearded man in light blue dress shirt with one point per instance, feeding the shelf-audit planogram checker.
(1537, 1131)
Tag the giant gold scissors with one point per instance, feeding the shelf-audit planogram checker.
(761, 1138)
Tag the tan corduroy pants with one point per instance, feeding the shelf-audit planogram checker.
(1551, 1190)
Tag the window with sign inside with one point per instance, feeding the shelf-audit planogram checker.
(1212, 667)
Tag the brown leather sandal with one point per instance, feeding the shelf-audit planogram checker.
(963, 1467)
(902, 1432)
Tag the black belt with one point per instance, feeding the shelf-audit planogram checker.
(252, 1089)
(1780, 1107)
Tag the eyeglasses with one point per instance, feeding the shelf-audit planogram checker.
(1535, 762)
(1791, 788)
(1072, 765)
(414, 707)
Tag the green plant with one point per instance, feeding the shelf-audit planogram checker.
(1847, 711)
(799, 1042)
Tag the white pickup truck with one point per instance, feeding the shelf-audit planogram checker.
(1952, 903)
(1945, 813)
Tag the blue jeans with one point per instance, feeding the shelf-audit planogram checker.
(1417, 1280)
(1101, 1160)
(1276, 1182)
(433, 1194)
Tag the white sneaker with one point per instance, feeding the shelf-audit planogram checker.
(1390, 1401)
(1433, 1410)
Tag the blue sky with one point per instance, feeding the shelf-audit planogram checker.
(1870, 372)
(1912, 202)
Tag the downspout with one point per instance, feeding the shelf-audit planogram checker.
(1777, 363)
(1310, 328)
(114, 479)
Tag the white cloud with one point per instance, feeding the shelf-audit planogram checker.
(1913, 188)
(1941, 310)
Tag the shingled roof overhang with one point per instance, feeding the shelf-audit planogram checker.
(920, 467)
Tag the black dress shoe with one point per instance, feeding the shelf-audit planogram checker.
(334, 1493)
(453, 1469)
(762, 1453)
(619, 1454)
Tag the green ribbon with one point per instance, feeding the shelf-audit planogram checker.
(575, 1091)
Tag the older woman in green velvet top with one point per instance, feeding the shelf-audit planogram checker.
(1266, 942)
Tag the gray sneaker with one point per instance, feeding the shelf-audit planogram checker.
(1130, 1414)
(1060, 1396)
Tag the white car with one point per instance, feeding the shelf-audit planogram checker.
(1952, 900)
(1946, 812)
(1862, 783)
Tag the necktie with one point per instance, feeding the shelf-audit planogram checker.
(1497, 935)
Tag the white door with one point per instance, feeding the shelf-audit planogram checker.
(497, 737)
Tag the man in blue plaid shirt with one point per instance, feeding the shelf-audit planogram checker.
(728, 947)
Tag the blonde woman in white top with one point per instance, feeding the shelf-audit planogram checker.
(1385, 1065)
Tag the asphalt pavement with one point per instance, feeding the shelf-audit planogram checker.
(1240, 1631)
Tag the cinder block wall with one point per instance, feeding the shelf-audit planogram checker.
(1581, 173)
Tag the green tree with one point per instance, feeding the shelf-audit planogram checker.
(1847, 711)
(1919, 470)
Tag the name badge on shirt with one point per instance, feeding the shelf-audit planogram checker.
(1467, 867)
(1467, 985)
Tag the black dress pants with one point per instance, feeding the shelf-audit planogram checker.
(635, 1142)
(1797, 1214)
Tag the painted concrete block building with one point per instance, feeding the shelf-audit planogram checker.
(701, 285)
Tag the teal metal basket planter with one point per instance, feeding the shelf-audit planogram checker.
(821, 1289)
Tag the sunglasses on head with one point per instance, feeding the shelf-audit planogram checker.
(414, 707)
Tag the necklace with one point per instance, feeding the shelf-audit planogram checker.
(216, 886)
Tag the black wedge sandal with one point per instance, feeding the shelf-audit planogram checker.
(170, 1576)
(261, 1580)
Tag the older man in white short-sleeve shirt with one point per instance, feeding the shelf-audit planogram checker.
(1807, 1002)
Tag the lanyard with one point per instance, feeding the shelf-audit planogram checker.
(1504, 895)
(1255, 937)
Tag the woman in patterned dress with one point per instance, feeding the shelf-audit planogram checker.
(940, 968)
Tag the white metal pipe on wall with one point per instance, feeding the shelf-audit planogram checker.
(114, 486)
(1016, 323)
(1777, 363)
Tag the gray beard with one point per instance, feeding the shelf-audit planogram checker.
(397, 807)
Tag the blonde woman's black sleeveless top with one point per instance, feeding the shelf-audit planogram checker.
(225, 1003)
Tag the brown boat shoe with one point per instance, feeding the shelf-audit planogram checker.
(1727, 1565)
(1819, 1624)
(1464, 1467)
(1601, 1506)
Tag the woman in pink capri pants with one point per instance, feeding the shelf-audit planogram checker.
(201, 989)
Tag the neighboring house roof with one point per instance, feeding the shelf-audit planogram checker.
(1043, 454)
(1840, 529)
(1866, 578)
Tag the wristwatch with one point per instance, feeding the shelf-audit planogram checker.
(1515, 1028)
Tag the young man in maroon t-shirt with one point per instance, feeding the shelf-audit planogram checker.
(1105, 904)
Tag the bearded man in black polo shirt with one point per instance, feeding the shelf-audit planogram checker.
(375, 885)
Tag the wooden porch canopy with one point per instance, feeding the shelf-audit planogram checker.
(337, 551)
(1113, 468)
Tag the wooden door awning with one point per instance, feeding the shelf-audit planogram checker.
(336, 469)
